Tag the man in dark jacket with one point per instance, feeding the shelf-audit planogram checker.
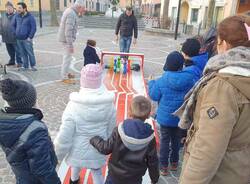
(127, 24)
(133, 147)
(24, 137)
(24, 26)
(8, 37)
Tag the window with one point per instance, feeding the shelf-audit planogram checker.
(194, 15)
(219, 11)
(205, 18)
(57, 4)
(32, 3)
(174, 13)
(65, 3)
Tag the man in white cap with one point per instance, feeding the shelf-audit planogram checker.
(67, 36)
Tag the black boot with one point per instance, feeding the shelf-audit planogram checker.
(74, 182)
(11, 63)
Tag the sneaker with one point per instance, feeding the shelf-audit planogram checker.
(68, 81)
(71, 76)
(10, 64)
(33, 69)
(164, 171)
(22, 69)
(74, 182)
(19, 65)
(174, 166)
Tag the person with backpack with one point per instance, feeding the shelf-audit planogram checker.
(24, 136)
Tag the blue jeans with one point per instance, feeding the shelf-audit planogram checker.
(14, 53)
(125, 43)
(170, 137)
(26, 49)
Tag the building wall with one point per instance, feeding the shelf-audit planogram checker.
(223, 8)
(31, 4)
(62, 7)
(151, 7)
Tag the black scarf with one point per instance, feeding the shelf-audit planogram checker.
(36, 112)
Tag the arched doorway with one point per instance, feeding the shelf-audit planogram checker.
(184, 12)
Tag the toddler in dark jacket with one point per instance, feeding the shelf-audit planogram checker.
(133, 147)
(89, 53)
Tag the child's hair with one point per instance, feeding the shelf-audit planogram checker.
(233, 31)
(24, 6)
(140, 108)
(91, 43)
(191, 47)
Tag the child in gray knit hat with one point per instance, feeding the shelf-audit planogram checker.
(24, 137)
(18, 93)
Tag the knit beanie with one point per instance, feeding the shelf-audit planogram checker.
(191, 47)
(9, 4)
(79, 3)
(174, 62)
(91, 76)
(18, 93)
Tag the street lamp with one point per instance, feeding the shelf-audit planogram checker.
(177, 21)
(40, 14)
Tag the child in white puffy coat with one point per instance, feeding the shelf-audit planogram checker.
(90, 112)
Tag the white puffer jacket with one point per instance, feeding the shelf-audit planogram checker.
(89, 112)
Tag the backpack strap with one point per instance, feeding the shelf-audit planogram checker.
(10, 151)
(25, 135)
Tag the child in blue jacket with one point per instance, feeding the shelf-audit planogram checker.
(169, 91)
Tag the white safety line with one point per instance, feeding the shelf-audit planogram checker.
(85, 180)
(22, 77)
(49, 52)
(158, 63)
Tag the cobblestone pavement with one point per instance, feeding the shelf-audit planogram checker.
(53, 95)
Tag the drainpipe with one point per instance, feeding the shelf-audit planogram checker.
(177, 21)
(40, 14)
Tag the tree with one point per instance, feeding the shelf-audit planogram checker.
(210, 14)
(164, 14)
(53, 16)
